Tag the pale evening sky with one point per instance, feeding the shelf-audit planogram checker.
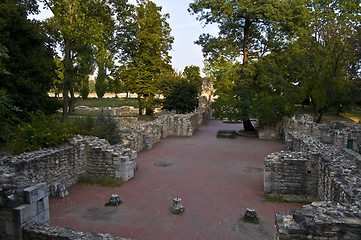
(185, 29)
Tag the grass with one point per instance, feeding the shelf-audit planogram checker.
(105, 182)
(249, 221)
(107, 102)
(280, 199)
(226, 134)
(329, 116)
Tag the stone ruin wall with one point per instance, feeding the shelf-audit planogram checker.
(82, 156)
(112, 111)
(316, 162)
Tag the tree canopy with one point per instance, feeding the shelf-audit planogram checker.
(77, 24)
(27, 66)
(145, 44)
(248, 32)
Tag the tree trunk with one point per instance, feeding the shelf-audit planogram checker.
(247, 125)
(140, 106)
(246, 33)
(72, 99)
(66, 79)
(322, 111)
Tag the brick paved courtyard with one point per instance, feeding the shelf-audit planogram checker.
(217, 179)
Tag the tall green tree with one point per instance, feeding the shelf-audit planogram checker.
(329, 51)
(145, 43)
(180, 90)
(3, 55)
(248, 30)
(192, 73)
(29, 63)
(78, 22)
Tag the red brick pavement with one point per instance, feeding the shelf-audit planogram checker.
(217, 179)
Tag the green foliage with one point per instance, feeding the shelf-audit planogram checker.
(145, 42)
(107, 128)
(250, 30)
(280, 199)
(3, 55)
(59, 79)
(84, 88)
(104, 127)
(105, 182)
(254, 221)
(29, 64)
(192, 74)
(101, 84)
(180, 93)
(107, 102)
(8, 116)
(78, 25)
(41, 131)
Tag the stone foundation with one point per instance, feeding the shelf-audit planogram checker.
(317, 162)
(41, 232)
(26, 179)
(322, 220)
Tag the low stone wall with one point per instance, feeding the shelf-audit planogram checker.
(317, 161)
(41, 232)
(294, 173)
(143, 136)
(112, 111)
(322, 220)
(30, 175)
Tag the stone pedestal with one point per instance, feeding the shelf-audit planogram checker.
(177, 207)
(115, 200)
(250, 215)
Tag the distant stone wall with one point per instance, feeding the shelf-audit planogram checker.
(144, 135)
(113, 111)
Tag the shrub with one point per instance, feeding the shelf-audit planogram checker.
(41, 131)
(101, 126)
(183, 98)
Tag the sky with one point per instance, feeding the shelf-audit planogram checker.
(185, 30)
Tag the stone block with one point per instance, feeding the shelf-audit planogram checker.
(36, 192)
(42, 217)
(13, 229)
(43, 205)
(25, 213)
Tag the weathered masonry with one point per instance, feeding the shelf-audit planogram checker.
(26, 179)
(322, 161)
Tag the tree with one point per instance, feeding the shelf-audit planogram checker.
(29, 63)
(8, 116)
(78, 22)
(145, 42)
(59, 80)
(3, 55)
(329, 51)
(101, 84)
(180, 92)
(192, 73)
(250, 30)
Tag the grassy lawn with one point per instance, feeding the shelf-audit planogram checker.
(107, 102)
(331, 115)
